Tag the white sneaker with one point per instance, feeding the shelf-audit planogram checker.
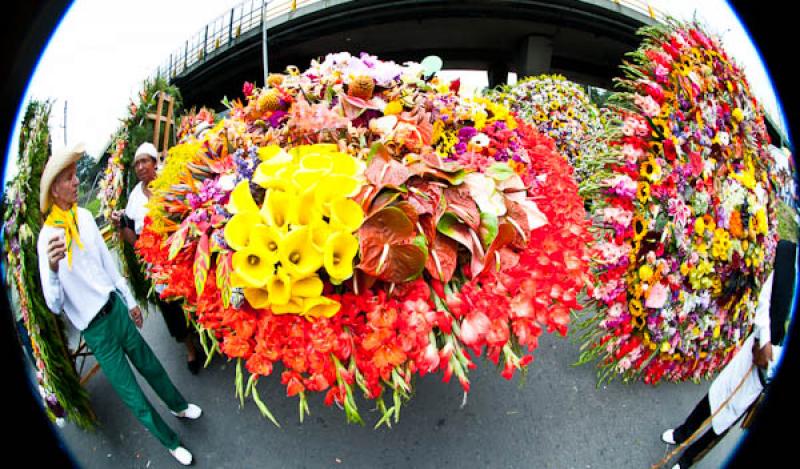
(668, 436)
(676, 466)
(192, 412)
(182, 455)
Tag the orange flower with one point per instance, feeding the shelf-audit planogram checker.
(735, 225)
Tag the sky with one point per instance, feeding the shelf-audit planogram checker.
(103, 50)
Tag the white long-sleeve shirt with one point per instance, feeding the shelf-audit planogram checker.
(81, 291)
(136, 210)
(738, 367)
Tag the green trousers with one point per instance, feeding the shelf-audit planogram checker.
(113, 337)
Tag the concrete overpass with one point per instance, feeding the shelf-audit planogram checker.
(584, 40)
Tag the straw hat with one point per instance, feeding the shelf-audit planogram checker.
(58, 162)
(146, 149)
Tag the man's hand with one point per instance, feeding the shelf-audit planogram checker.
(56, 250)
(762, 355)
(116, 217)
(136, 315)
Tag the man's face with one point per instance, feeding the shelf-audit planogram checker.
(64, 189)
(145, 169)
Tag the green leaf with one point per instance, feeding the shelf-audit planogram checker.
(263, 407)
(488, 229)
(500, 171)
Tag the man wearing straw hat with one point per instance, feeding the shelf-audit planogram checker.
(79, 276)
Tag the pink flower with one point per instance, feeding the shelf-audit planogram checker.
(474, 327)
(648, 105)
(631, 153)
(657, 296)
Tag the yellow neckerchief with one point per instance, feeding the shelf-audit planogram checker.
(68, 220)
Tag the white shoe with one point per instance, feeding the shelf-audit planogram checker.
(182, 455)
(676, 466)
(669, 437)
(192, 412)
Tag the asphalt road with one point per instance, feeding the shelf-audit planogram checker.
(556, 419)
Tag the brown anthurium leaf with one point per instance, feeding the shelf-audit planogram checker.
(515, 215)
(452, 227)
(425, 196)
(390, 247)
(408, 209)
(505, 235)
(383, 200)
(403, 263)
(461, 204)
(383, 170)
(442, 260)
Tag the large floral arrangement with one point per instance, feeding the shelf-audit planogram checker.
(360, 225)
(112, 183)
(58, 382)
(689, 214)
(562, 110)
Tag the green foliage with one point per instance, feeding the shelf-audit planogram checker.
(23, 224)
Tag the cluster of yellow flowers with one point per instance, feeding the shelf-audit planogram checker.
(305, 223)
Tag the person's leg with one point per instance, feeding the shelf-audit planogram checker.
(104, 340)
(175, 319)
(143, 358)
(700, 413)
(699, 448)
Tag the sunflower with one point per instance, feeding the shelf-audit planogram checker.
(643, 192)
(636, 308)
(638, 322)
(639, 227)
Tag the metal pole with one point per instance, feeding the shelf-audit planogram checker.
(264, 36)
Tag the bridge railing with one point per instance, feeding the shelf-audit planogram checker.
(227, 29)
(224, 31)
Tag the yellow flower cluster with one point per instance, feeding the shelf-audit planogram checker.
(721, 244)
(489, 112)
(305, 223)
(700, 276)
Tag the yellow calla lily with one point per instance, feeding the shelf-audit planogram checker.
(269, 152)
(317, 162)
(346, 215)
(320, 307)
(294, 306)
(241, 199)
(253, 265)
(306, 213)
(279, 288)
(309, 287)
(257, 297)
(320, 231)
(304, 179)
(334, 187)
(237, 231)
(268, 238)
(346, 165)
(237, 281)
(298, 255)
(279, 209)
(340, 250)
(271, 169)
(303, 150)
